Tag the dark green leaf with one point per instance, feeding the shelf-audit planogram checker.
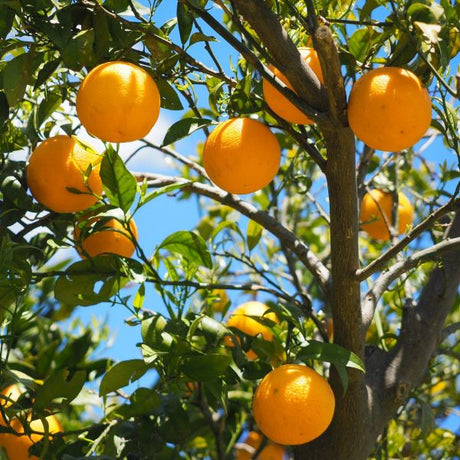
(122, 374)
(204, 367)
(16, 76)
(4, 108)
(61, 384)
(183, 128)
(154, 335)
(119, 184)
(45, 72)
(89, 282)
(51, 102)
(190, 246)
(332, 353)
(200, 37)
(6, 20)
(169, 98)
(184, 20)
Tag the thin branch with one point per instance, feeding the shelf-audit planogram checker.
(381, 285)
(381, 261)
(291, 241)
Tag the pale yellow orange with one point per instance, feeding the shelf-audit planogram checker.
(293, 404)
(389, 109)
(241, 155)
(244, 318)
(17, 446)
(61, 163)
(118, 102)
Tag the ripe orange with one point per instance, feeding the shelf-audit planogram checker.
(389, 109)
(241, 319)
(293, 404)
(279, 103)
(17, 446)
(241, 155)
(377, 202)
(59, 163)
(111, 238)
(270, 452)
(118, 102)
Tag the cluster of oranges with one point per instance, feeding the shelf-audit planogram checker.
(116, 102)
(293, 404)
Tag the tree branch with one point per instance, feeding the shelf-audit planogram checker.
(449, 245)
(380, 262)
(286, 55)
(392, 375)
(294, 244)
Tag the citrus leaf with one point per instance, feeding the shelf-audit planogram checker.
(169, 98)
(89, 282)
(189, 245)
(120, 185)
(334, 354)
(183, 128)
(16, 76)
(254, 234)
(122, 374)
(184, 21)
(204, 367)
(60, 384)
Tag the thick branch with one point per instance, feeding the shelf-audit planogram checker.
(393, 375)
(294, 244)
(447, 246)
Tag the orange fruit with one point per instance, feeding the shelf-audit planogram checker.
(377, 202)
(118, 102)
(221, 300)
(241, 319)
(293, 404)
(241, 155)
(111, 238)
(17, 446)
(389, 109)
(59, 163)
(279, 103)
(252, 442)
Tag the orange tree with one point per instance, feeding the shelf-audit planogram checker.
(378, 318)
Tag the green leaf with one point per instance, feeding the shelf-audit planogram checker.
(154, 334)
(169, 98)
(200, 37)
(190, 246)
(204, 367)
(332, 353)
(183, 128)
(122, 374)
(45, 72)
(51, 102)
(6, 20)
(120, 185)
(360, 43)
(16, 76)
(89, 282)
(61, 384)
(254, 234)
(161, 191)
(184, 20)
